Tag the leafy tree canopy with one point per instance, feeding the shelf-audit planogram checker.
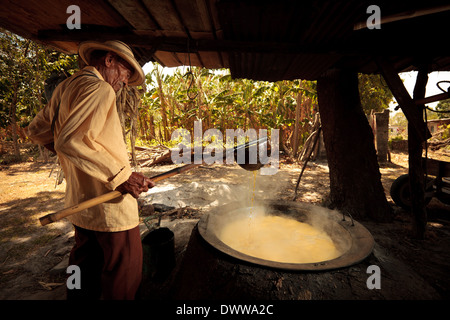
(374, 93)
(24, 66)
(444, 109)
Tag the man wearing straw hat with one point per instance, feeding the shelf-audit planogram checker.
(81, 124)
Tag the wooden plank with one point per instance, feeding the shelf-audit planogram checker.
(135, 13)
(176, 41)
(194, 14)
(412, 112)
(193, 57)
(167, 59)
(210, 59)
(214, 16)
(437, 97)
(27, 18)
(435, 167)
(164, 14)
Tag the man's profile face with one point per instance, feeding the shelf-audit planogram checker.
(117, 71)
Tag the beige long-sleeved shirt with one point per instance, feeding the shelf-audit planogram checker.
(89, 143)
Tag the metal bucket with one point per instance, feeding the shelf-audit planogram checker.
(158, 254)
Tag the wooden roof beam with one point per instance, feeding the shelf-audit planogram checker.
(413, 113)
(434, 98)
(205, 41)
(177, 44)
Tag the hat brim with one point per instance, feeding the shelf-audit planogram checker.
(86, 48)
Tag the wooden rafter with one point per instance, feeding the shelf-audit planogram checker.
(412, 112)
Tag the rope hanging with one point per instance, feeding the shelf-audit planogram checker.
(190, 75)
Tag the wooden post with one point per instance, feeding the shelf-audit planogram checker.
(403, 98)
(416, 170)
(298, 117)
(417, 133)
(382, 135)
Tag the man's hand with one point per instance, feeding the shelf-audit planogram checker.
(136, 184)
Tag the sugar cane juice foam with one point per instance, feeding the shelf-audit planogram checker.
(280, 239)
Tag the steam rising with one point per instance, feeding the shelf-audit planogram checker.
(304, 237)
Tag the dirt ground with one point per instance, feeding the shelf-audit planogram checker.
(33, 258)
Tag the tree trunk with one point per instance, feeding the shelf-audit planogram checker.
(152, 128)
(295, 139)
(14, 123)
(355, 179)
(164, 131)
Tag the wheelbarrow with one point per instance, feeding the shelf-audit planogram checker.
(437, 184)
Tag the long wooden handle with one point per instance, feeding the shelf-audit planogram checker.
(53, 217)
(56, 216)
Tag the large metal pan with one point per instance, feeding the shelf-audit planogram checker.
(351, 238)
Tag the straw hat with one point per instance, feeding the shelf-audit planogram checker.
(123, 50)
